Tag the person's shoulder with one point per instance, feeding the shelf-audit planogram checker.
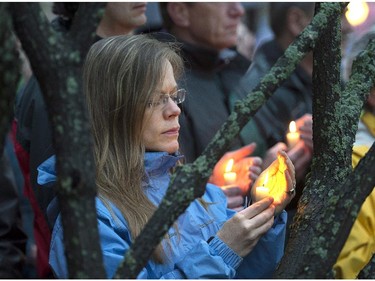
(110, 215)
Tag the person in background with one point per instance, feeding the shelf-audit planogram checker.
(292, 101)
(12, 236)
(246, 34)
(360, 244)
(135, 124)
(207, 34)
(32, 129)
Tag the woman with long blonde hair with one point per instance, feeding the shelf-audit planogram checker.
(133, 101)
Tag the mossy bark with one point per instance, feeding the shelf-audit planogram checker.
(9, 73)
(57, 69)
(369, 271)
(331, 199)
(56, 61)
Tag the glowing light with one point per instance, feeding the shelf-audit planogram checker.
(292, 136)
(357, 12)
(292, 127)
(229, 166)
(229, 176)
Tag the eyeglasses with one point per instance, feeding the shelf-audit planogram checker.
(161, 101)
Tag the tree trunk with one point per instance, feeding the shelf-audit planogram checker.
(56, 61)
(329, 205)
(9, 73)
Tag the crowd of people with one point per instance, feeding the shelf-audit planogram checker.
(162, 98)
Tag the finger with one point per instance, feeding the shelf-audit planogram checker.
(290, 180)
(307, 126)
(262, 222)
(257, 207)
(280, 146)
(242, 152)
(237, 209)
(232, 191)
(254, 172)
(307, 139)
(260, 230)
(235, 202)
(256, 161)
(296, 151)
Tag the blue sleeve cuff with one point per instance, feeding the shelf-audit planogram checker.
(219, 248)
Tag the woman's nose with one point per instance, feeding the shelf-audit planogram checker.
(172, 109)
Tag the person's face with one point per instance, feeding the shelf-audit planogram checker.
(127, 14)
(161, 128)
(214, 25)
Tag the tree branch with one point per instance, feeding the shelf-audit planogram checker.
(89, 15)
(58, 70)
(369, 271)
(9, 73)
(193, 177)
(329, 207)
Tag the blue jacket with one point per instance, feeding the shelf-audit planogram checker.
(190, 256)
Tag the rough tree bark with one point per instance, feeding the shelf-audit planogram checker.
(60, 62)
(9, 73)
(56, 60)
(369, 271)
(332, 197)
(177, 199)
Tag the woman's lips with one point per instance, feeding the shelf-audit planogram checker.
(173, 131)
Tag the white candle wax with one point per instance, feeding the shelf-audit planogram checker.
(292, 136)
(261, 192)
(230, 177)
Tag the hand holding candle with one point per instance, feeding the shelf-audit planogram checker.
(236, 168)
(279, 179)
(292, 136)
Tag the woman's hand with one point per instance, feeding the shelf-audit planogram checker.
(280, 180)
(246, 168)
(242, 232)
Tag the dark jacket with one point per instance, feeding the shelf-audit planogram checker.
(12, 237)
(34, 134)
(292, 100)
(209, 77)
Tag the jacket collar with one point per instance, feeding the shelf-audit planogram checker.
(160, 162)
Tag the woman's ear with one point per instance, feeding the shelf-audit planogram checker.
(179, 13)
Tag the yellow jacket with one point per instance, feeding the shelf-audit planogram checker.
(360, 245)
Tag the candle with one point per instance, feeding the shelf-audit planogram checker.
(292, 136)
(229, 176)
(262, 191)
